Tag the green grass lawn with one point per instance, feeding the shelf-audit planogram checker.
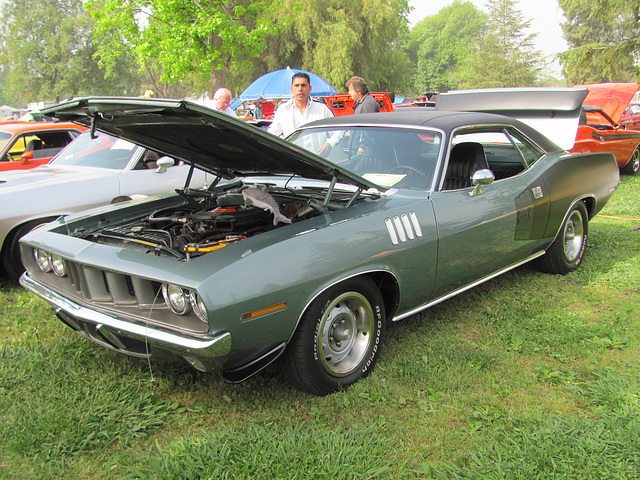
(527, 376)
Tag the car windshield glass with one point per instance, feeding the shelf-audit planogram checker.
(389, 157)
(4, 138)
(104, 151)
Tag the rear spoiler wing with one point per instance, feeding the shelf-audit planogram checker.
(554, 112)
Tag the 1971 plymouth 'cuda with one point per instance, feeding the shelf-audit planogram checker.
(305, 259)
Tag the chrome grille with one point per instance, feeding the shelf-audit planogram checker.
(128, 296)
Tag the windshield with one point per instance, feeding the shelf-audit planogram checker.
(386, 156)
(4, 138)
(104, 151)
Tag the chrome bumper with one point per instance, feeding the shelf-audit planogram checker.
(203, 353)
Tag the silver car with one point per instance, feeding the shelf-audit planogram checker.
(93, 170)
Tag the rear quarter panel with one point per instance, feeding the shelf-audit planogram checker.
(573, 177)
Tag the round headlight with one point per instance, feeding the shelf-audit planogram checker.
(198, 306)
(43, 259)
(57, 265)
(176, 298)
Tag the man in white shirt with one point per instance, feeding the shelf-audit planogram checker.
(221, 101)
(299, 110)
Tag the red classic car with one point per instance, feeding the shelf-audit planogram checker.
(630, 119)
(25, 145)
(600, 130)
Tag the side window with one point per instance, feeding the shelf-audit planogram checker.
(42, 144)
(19, 146)
(528, 150)
(48, 144)
(496, 150)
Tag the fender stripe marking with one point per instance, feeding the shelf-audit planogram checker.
(403, 228)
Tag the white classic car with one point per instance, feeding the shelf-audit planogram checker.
(93, 170)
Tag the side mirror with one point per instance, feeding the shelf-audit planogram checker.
(479, 178)
(26, 156)
(163, 163)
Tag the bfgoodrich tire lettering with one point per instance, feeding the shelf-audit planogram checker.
(567, 251)
(339, 338)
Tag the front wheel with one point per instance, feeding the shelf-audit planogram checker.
(567, 251)
(338, 339)
(11, 260)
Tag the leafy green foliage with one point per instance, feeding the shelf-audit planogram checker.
(604, 40)
(439, 44)
(181, 37)
(48, 53)
(504, 56)
(338, 38)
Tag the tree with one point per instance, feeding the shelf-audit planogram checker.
(47, 52)
(604, 40)
(440, 43)
(505, 57)
(340, 38)
(180, 38)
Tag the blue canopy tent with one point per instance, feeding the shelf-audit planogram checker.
(276, 85)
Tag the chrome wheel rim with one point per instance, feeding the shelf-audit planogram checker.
(345, 333)
(573, 236)
(635, 161)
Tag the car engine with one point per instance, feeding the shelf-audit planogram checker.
(208, 221)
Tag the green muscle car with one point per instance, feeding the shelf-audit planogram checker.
(303, 259)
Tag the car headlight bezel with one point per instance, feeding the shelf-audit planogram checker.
(43, 260)
(58, 266)
(176, 298)
(198, 306)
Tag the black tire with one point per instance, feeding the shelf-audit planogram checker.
(633, 167)
(11, 260)
(567, 251)
(338, 340)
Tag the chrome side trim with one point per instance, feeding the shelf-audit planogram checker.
(205, 347)
(466, 287)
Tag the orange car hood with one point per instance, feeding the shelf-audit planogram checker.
(612, 98)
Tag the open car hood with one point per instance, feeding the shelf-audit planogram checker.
(554, 112)
(612, 98)
(211, 140)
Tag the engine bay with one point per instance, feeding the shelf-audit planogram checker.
(209, 221)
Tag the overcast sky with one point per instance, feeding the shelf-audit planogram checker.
(545, 16)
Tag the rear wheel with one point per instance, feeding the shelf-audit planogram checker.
(338, 340)
(567, 251)
(633, 167)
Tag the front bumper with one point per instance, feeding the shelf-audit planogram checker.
(204, 353)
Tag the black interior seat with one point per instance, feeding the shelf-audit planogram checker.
(465, 159)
